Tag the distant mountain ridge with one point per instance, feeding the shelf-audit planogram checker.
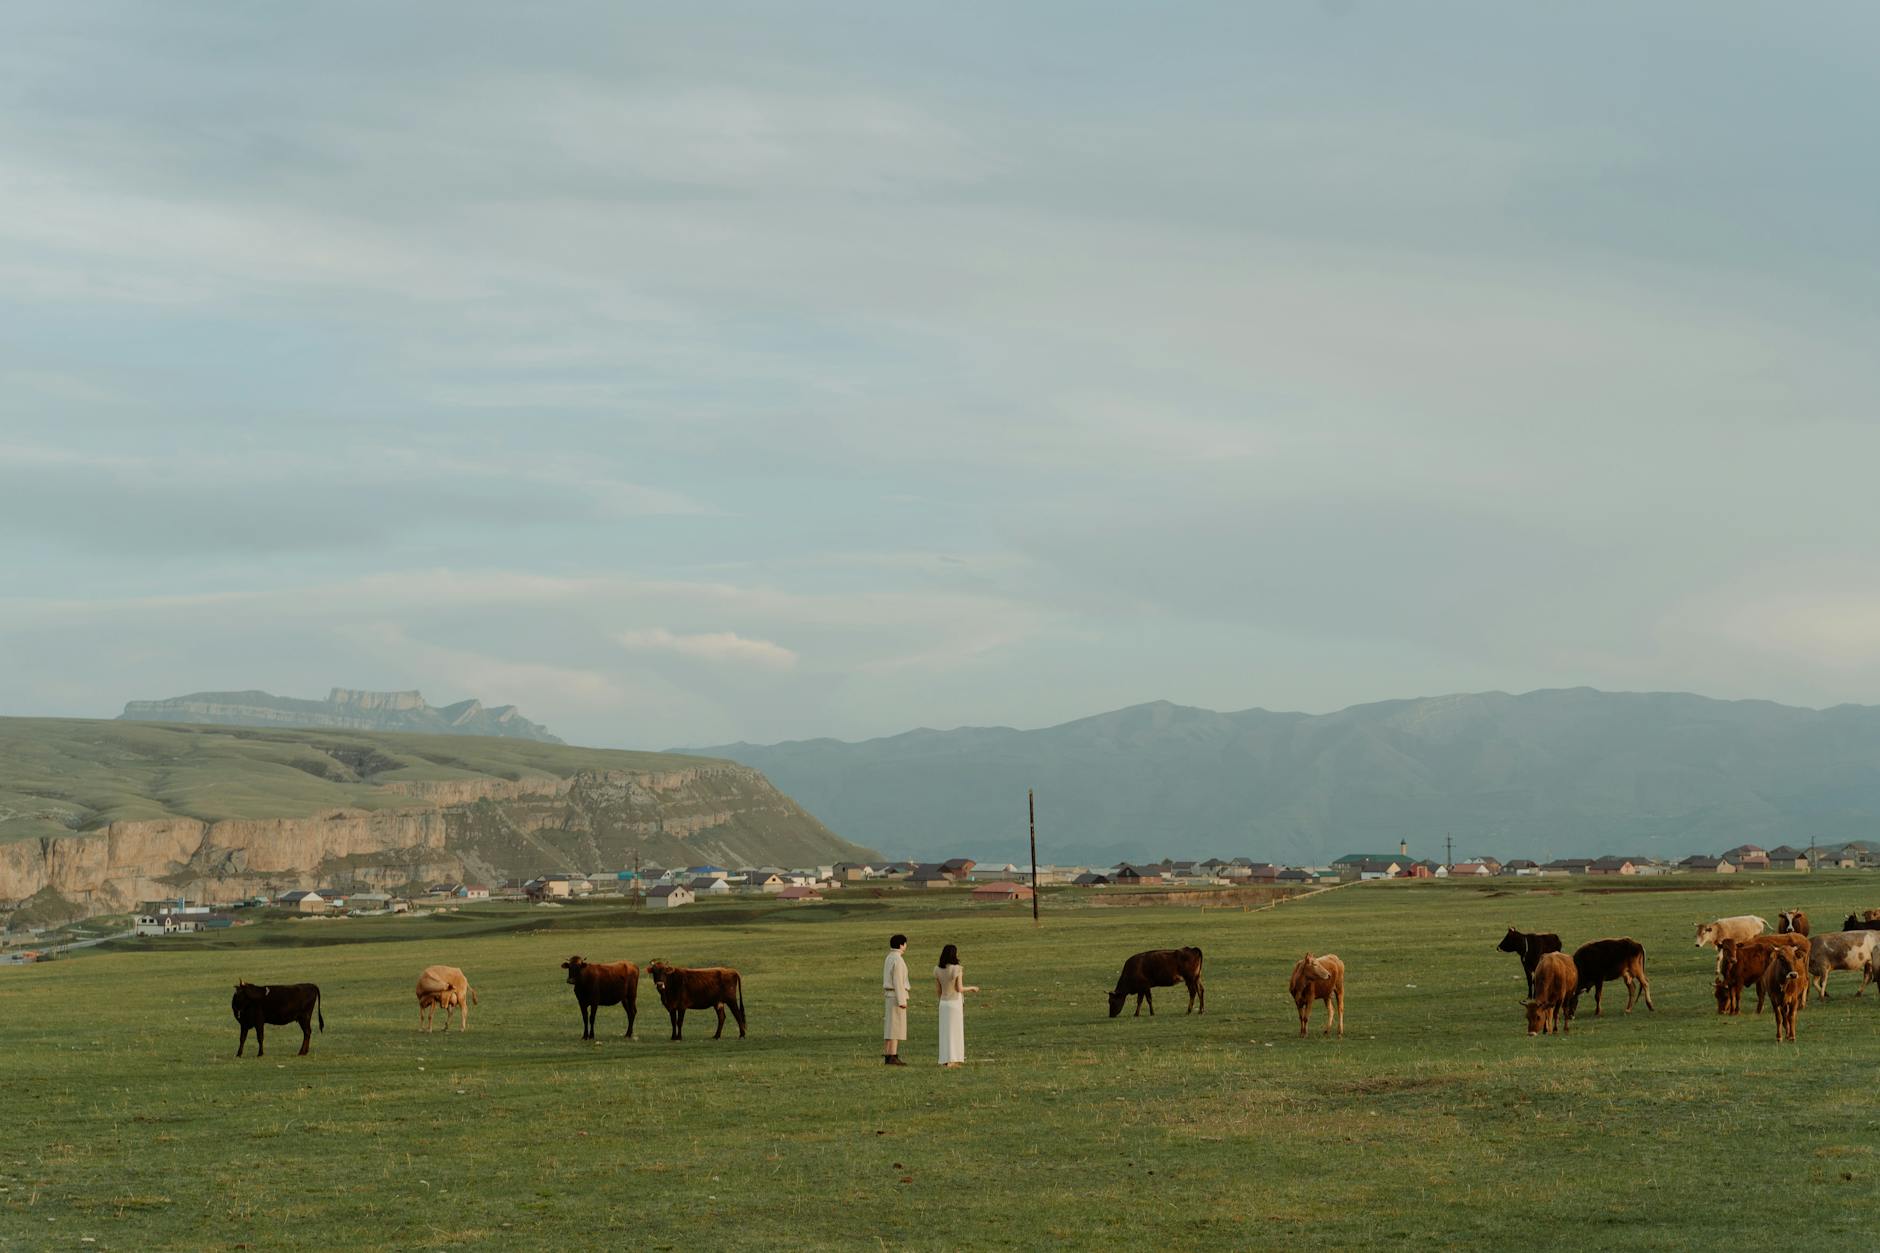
(343, 708)
(1547, 773)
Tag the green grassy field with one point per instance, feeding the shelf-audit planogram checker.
(1435, 1121)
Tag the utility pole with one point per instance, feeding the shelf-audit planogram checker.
(1031, 808)
(1449, 851)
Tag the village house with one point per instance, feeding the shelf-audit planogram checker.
(710, 887)
(1613, 866)
(929, 877)
(474, 892)
(796, 892)
(1566, 865)
(669, 896)
(1470, 870)
(1702, 863)
(764, 881)
(854, 871)
(304, 900)
(1293, 875)
(1749, 857)
(1786, 857)
(957, 867)
(1002, 891)
(1520, 866)
(1127, 875)
(1091, 879)
(708, 872)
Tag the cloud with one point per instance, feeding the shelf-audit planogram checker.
(722, 647)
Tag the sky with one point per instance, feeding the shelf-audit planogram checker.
(776, 371)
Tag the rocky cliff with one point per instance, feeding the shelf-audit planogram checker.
(343, 708)
(108, 815)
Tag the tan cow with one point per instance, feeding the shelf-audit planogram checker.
(1319, 979)
(1739, 927)
(444, 986)
(1556, 982)
(1843, 950)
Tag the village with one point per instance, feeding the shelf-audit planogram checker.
(655, 887)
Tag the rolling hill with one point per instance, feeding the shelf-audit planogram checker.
(1547, 773)
(343, 708)
(106, 814)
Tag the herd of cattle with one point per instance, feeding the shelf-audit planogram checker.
(1781, 967)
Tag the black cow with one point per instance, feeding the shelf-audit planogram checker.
(1531, 946)
(1159, 968)
(603, 983)
(1600, 962)
(258, 1007)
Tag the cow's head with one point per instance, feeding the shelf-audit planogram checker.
(1117, 1000)
(1722, 991)
(657, 972)
(1510, 943)
(1536, 1016)
(1853, 922)
(1706, 934)
(574, 966)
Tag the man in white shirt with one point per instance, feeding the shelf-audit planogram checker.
(894, 998)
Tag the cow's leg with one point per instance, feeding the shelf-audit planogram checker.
(261, 1039)
(1305, 1016)
(1598, 991)
(588, 1014)
(678, 1023)
(243, 1042)
(629, 1012)
(306, 1033)
(1151, 995)
(737, 1012)
(720, 1033)
(1201, 994)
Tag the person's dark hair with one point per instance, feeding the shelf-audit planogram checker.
(950, 955)
(896, 940)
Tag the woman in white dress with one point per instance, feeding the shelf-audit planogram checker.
(949, 983)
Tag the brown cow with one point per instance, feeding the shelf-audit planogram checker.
(1159, 968)
(1555, 983)
(711, 987)
(1792, 922)
(1600, 962)
(603, 983)
(1785, 983)
(445, 986)
(1744, 962)
(1531, 946)
(259, 1006)
(1319, 979)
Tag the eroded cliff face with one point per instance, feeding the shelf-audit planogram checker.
(482, 829)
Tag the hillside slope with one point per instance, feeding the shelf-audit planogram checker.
(110, 813)
(1546, 773)
(344, 709)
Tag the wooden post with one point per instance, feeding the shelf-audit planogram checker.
(1031, 807)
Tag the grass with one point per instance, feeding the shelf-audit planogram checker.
(1436, 1121)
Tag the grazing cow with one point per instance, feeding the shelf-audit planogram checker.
(1743, 963)
(603, 983)
(1319, 979)
(260, 1006)
(1842, 950)
(1555, 983)
(1599, 962)
(1862, 920)
(1159, 968)
(1792, 922)
(1532, 946)
(445, 986)
(1785, 983)
(712, 987)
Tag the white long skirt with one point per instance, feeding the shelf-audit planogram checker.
(952, 1031)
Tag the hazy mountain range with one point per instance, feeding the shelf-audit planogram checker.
(343, 708)
(1547, 773)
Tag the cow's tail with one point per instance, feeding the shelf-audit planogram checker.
(318, 1013)
(473, 997)
(740, 998)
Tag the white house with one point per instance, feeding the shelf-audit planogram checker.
(711, 887)
(669, 896)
